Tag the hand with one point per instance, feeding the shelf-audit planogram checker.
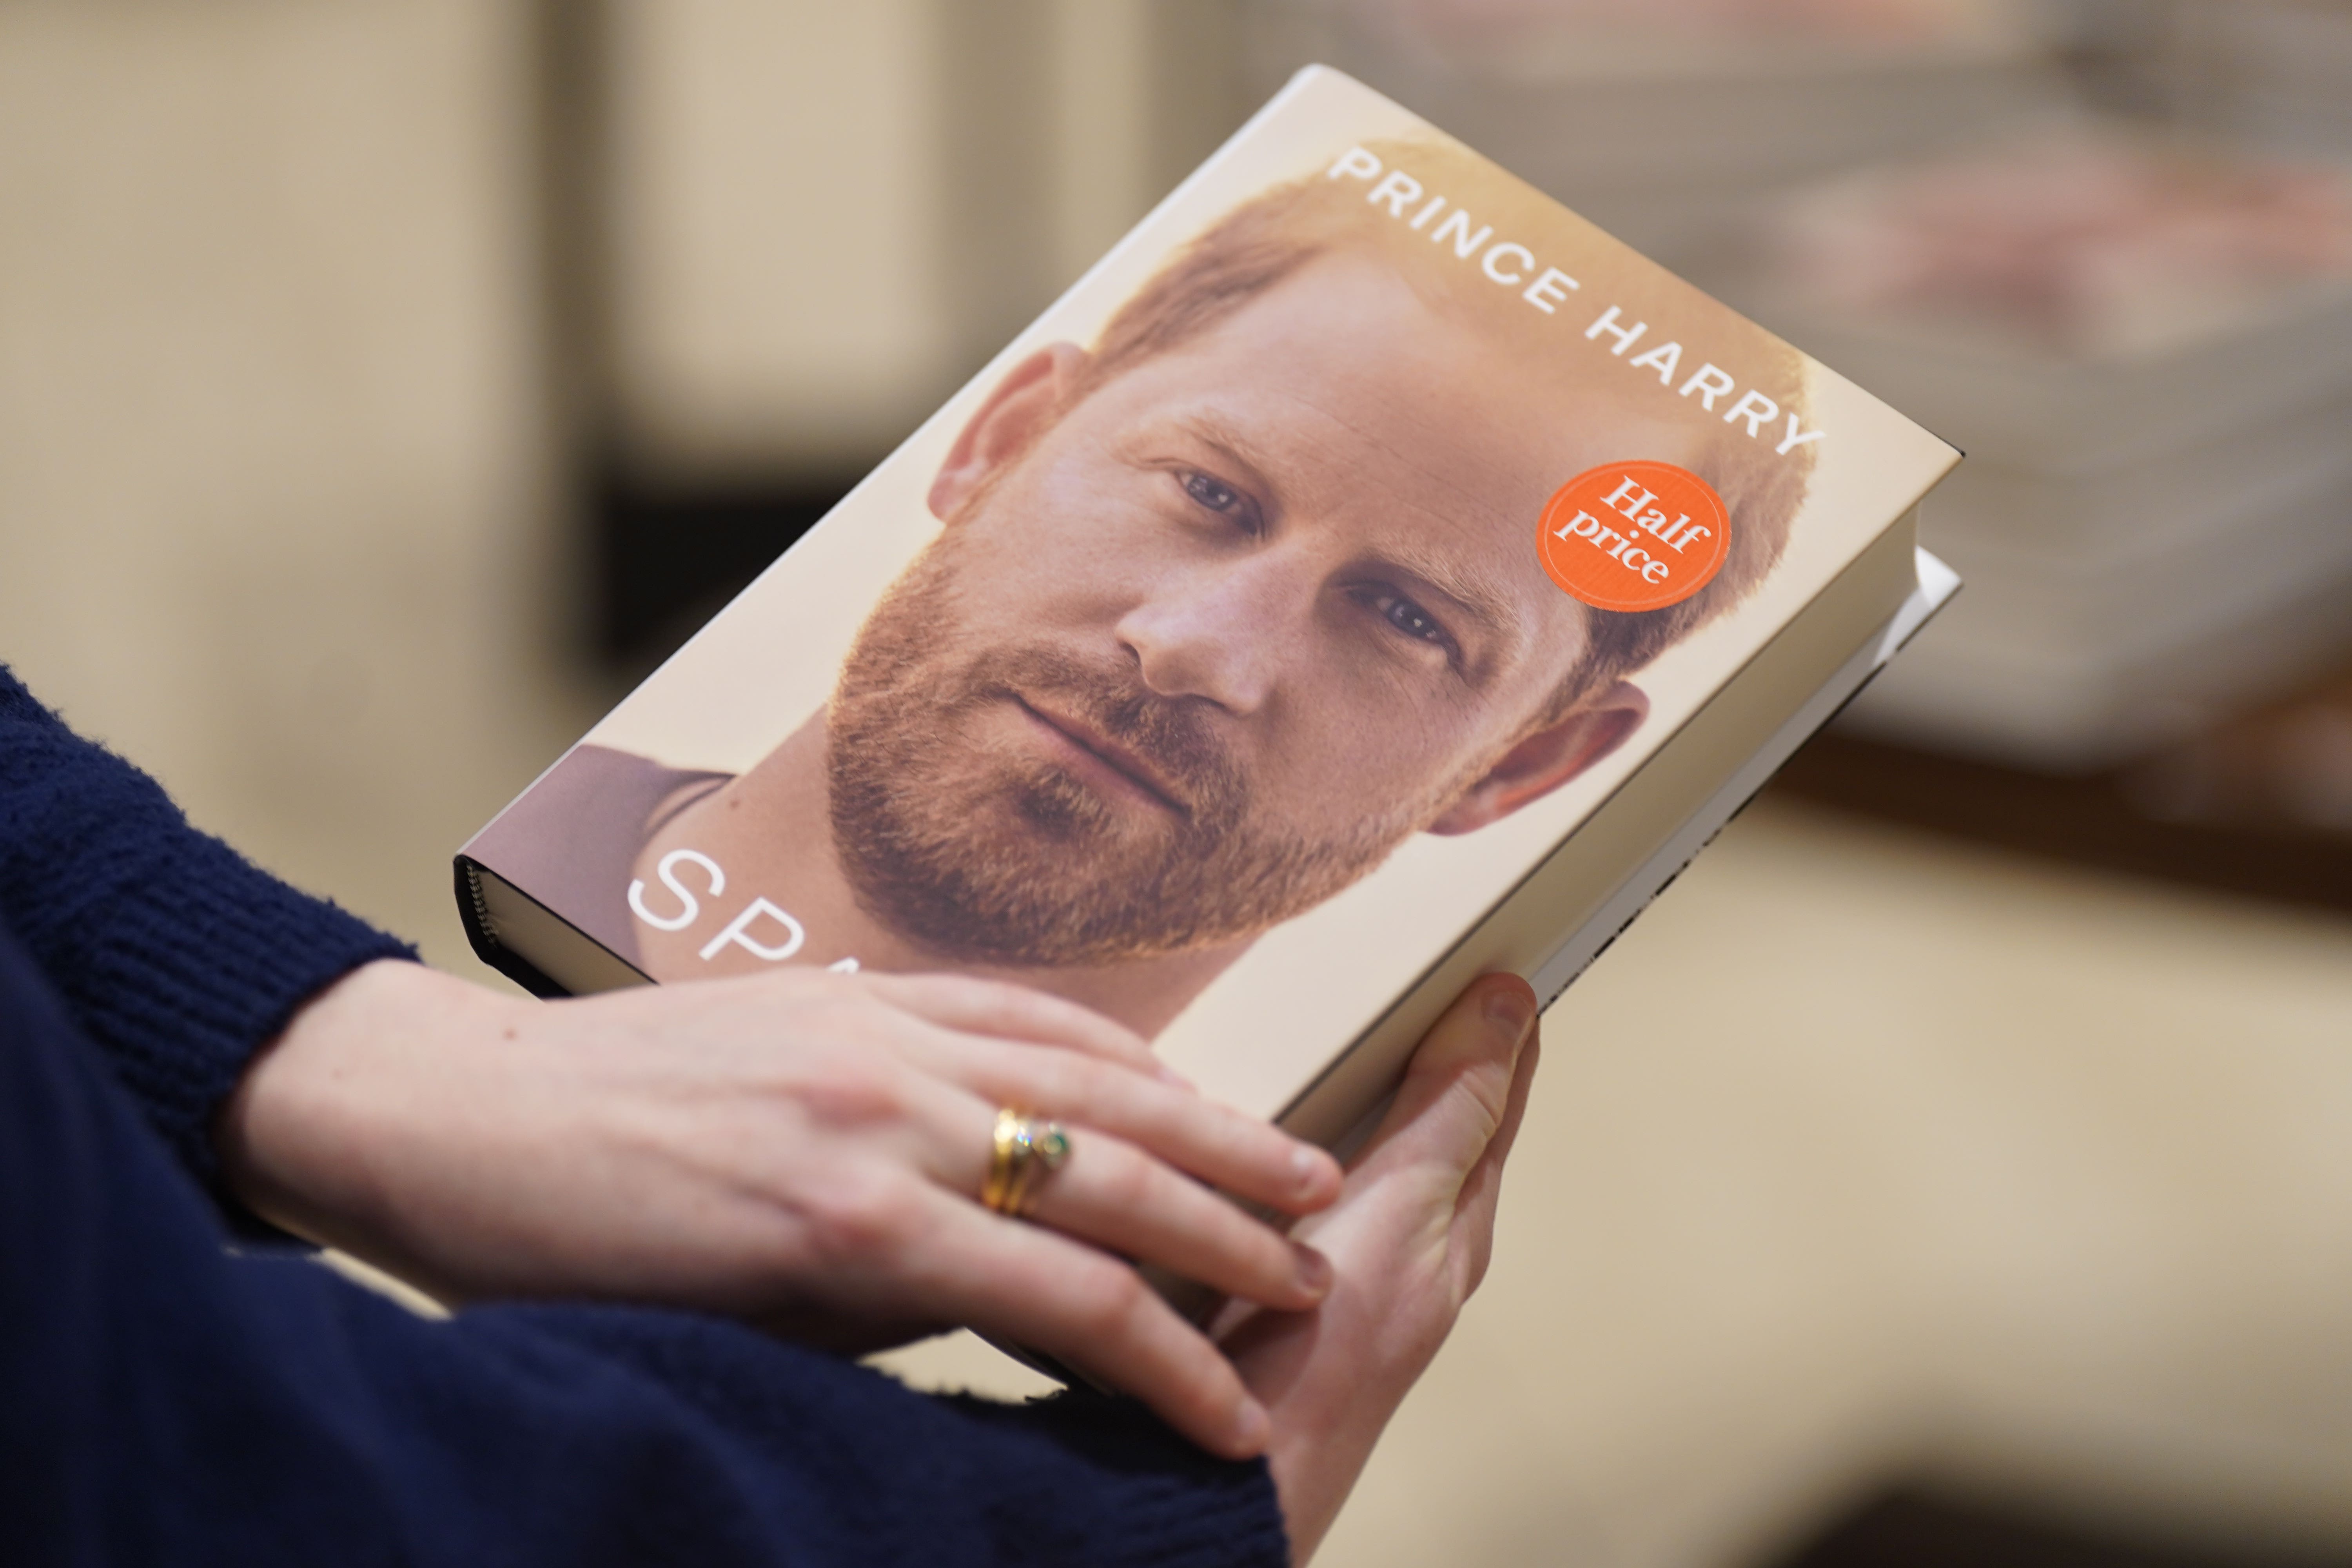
(1410, 1238)
(803, 1148)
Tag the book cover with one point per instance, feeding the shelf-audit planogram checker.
(1250, 631)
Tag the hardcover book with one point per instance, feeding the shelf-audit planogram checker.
(1368, 575)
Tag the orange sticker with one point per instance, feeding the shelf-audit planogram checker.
(1633, 536)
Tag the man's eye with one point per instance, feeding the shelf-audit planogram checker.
(1409, 617)
(1215, 494)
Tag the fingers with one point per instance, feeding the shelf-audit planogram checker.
(1013, 1046)
(1027, 1284)
(1124, 1200)
(1126, 1187)
(1017, 1046)
(1011, 1011)
(1253, 1160)
(1120, 1199)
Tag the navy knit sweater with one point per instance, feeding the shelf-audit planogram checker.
(164, 1400)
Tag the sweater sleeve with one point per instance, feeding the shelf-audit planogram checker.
(178, 957)
(167, 1403)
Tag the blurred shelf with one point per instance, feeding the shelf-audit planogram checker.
(2135, 819)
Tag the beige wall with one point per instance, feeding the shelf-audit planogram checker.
(273, 468)
(822, 216)
(774, 225)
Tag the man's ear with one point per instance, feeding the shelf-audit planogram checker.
(1016, 413)
(1549, 758)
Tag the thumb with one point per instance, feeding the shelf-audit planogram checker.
(1456, 1094)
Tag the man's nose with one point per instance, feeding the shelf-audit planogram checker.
(1219, 633)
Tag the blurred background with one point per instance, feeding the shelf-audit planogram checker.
(385, 384)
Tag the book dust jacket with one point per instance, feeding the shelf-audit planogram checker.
(1244, 635)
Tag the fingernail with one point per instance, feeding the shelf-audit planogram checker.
(1170, 1075)
(1314, 1270)
(1512, 1012)
(1252, 1429)
(1306, 1167)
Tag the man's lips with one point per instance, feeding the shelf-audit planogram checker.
(1125, 767)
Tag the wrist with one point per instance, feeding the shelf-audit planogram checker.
(304, 1141)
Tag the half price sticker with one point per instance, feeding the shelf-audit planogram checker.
(1633, 536)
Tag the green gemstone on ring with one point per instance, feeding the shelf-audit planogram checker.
(1052, 1145)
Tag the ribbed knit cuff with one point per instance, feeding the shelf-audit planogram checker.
(175, 955)
(199, 964)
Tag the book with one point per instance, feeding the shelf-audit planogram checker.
(1368, 575)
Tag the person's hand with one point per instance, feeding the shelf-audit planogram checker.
(801, 1149)
(1408, 1237)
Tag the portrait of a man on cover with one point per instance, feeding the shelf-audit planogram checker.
(1222, 607)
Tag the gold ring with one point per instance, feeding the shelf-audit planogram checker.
(1022, 1146)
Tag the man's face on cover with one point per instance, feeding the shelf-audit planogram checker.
(1199, 650)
